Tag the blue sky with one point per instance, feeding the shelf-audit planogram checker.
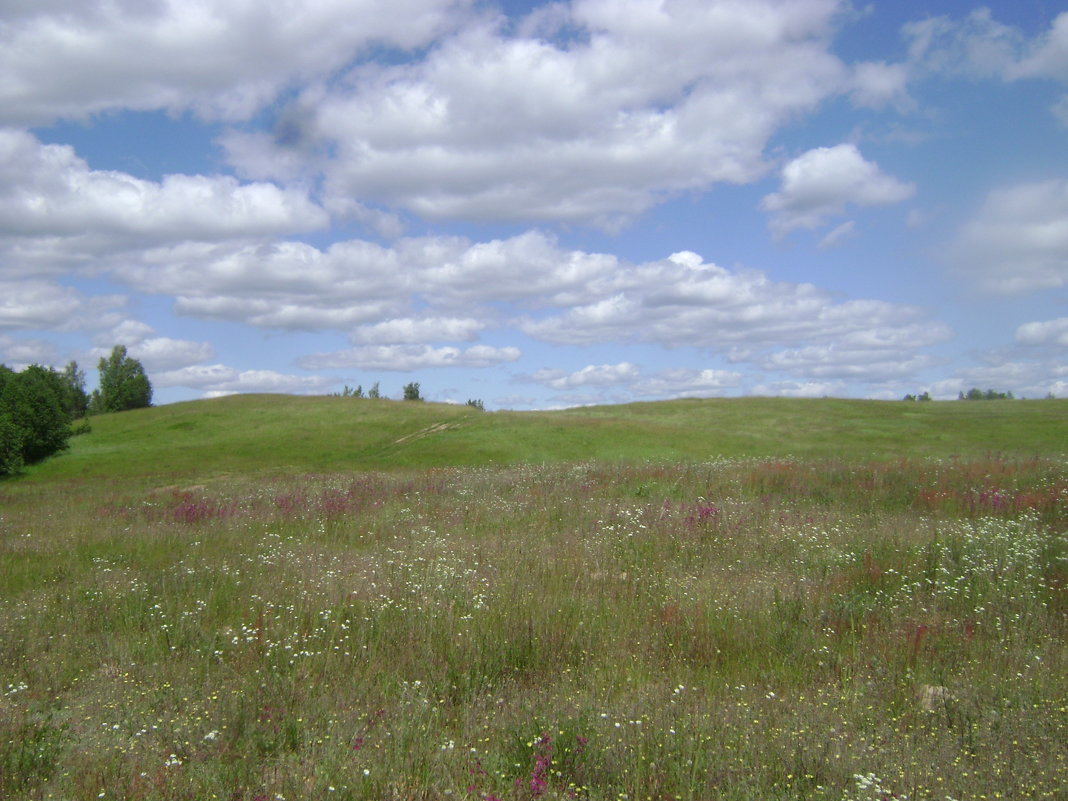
(539, 204)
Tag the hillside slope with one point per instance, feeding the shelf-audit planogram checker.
(252, 434)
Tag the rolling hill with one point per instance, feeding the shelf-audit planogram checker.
(253, 434)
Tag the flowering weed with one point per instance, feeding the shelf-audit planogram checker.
(734, 629)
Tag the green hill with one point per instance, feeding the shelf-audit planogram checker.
(330, 598)
(252, 434)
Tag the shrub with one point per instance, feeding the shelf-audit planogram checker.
(34, 420)
(11, 437)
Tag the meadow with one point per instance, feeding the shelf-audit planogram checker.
(260, 599)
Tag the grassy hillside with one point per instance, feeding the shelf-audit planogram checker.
(338, 600)
(285, 434)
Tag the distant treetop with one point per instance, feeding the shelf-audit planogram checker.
(978, 394)
(123, 384)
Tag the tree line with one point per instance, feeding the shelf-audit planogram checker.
(411, 392)
(977, 394)
(972, 394)
(40, 406)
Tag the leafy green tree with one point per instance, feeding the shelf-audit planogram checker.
(977, 394)
(47, 421)
(374, 392)
(411, 391)
(34, 422)
(349, 392)
(477, 404)
(76, 399)
(11, 438)
(123, 384)
(11, 434)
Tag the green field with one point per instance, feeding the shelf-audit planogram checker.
(270, 597)
(256, 434)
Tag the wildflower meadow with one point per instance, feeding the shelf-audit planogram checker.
(740, 628)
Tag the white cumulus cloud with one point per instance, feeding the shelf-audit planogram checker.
(1018, 240)
(219, 379)
(31, 304)
(17, 354)
(48, 191)
(411, 331)
(1045, 332)
(600, 375)
(980, 46)
(36, 304)
(681, 382)
(163, 353)
(221, 58)
(876, 84)
(646, 100)
(820, 184)
(403, 358)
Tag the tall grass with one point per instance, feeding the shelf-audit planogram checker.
(732, 629)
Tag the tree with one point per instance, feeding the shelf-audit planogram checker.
(477, 404)
(373, 392)
(411, 391)
(977, 394)
(10, 444)
(75, 398)
(123, 384)
(349, 392)
(11, 434)
(34, 422)
(43, 414)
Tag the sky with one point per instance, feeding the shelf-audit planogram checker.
(539, 204)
